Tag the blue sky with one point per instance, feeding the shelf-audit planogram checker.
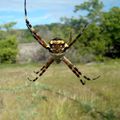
(42, 11)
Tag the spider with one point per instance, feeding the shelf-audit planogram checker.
(57, 48)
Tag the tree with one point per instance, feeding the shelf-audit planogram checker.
(111, 26)
(93, 9)
(102, 36)
(8, 44)
(8, 50)
(92, 42)
(8, 26)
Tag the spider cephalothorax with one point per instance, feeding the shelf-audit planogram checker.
(57, 48)
(57, 45)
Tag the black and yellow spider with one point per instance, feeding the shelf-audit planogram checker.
(57, 48)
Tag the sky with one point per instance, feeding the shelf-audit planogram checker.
(42, 11)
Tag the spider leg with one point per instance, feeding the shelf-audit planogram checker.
(36, 72)
(70, 38)
(76, 38)
(42, 70)
(32, 30)
(76, 71)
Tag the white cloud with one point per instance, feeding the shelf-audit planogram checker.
(39, 19)
(17, 5)
(11, 5)
(41, 11)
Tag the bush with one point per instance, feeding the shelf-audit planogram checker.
(8, 50)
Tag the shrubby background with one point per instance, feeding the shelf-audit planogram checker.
(100, 41)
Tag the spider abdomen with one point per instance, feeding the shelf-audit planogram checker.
(57, 57)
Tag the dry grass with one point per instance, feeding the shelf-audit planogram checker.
(58, 94)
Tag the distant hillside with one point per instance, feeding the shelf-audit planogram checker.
(47, 32)
(31, 52)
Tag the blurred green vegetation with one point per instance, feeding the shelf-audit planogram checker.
(102, 37)
(99, 42)
(8, 44)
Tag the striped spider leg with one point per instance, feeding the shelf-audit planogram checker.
(42, 70)
(76, 71)
(77, 37)
(32, 30)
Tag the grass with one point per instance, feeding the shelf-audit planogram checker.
(58, 94)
